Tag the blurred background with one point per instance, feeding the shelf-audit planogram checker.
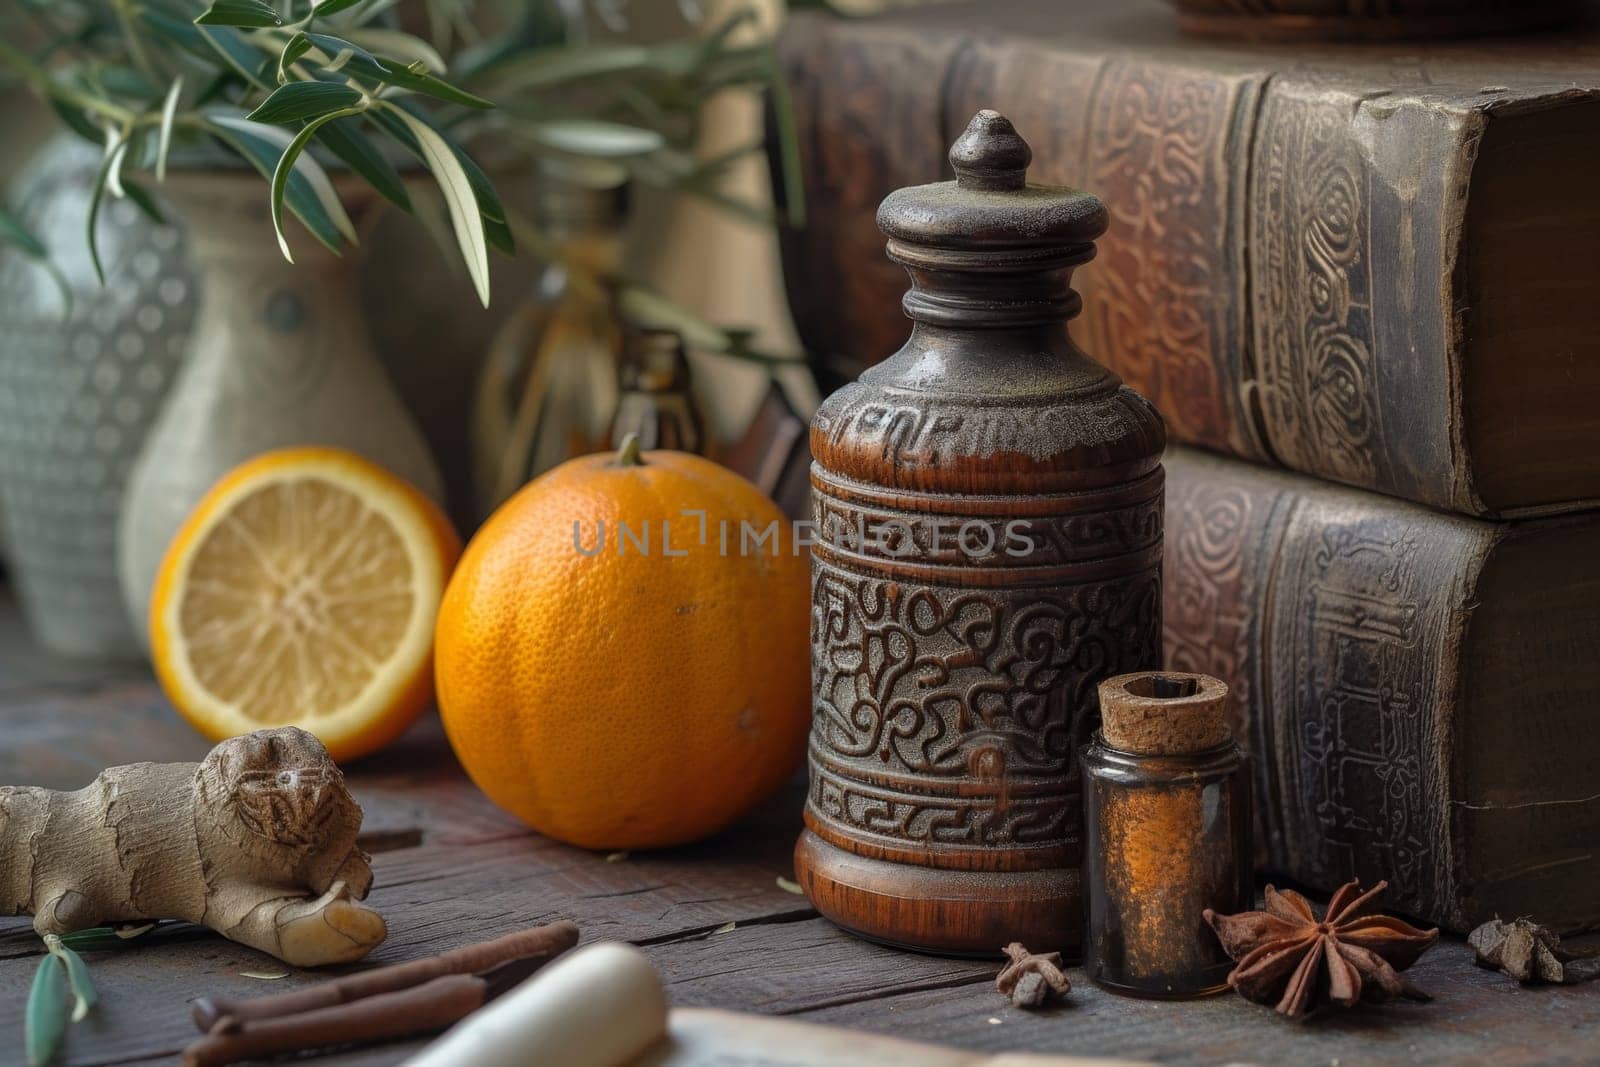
(643, 158)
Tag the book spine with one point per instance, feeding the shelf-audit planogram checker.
(1356, 207)
(1337, 617)
(1166, 147)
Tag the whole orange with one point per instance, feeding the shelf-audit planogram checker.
(620, 663)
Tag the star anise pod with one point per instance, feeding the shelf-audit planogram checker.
(1030, 979)
(1287, 955)
(1529, 952)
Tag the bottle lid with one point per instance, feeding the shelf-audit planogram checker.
(991, 204)
(653, 361)
(567, 196)
(1164, 713)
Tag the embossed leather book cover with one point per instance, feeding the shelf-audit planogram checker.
(1418, 689)
(1370, 263)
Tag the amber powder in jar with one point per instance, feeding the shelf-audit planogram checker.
(1166, 794)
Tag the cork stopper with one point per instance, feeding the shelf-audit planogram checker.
(1164, 713)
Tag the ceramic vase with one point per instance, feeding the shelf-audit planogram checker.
(79, 390)
(280, 356)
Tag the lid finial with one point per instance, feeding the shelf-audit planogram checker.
(990, 154)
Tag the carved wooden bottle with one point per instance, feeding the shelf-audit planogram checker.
(989, 505)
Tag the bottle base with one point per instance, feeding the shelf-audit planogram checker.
(940, 911)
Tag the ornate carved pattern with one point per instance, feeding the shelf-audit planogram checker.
(1158, 307)
(1313, 321)
(1211, 585)
(917, 432)
(1363, 721)
(948, 715)
(990, 540)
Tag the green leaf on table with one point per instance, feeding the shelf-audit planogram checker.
(169, 111)
(45, 1024)
(344, 139)
(595, 137)
(465, 213)
(103, 937)
(251, 13)
(286, 166)
(304, 100)
(251, 140)
(83, 991)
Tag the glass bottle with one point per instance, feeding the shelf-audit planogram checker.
(1166, 835)
(657, 400)
(549, 386)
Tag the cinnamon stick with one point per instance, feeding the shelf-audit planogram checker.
(541, 941)
(421, 1009)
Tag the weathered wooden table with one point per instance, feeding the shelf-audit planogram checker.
(724, 932)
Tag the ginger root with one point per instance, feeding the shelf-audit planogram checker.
(257, 841)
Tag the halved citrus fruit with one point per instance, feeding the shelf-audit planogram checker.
(302, 591)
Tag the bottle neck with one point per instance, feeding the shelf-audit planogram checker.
(990, 289)
(594, 249)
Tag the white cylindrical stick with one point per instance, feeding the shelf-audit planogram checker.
(598, 1007)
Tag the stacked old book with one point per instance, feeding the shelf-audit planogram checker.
(1362, 284)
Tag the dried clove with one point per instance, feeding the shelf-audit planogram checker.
(1031, 980)
(1530, 953)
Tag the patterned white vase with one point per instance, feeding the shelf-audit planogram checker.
(78, 394)
(280, 356)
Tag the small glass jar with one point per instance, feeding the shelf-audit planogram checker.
(1167, 834)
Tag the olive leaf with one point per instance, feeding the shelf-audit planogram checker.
(254, 13)
(333, 7)
(97, 195)
(595, 137)
(286, 166)
(169, 111)
(466, 218)
(304, 100)
(47, 1017)
(83, 991)
(402, 46)
(344, 139)
(14, 233)
(245, 139)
